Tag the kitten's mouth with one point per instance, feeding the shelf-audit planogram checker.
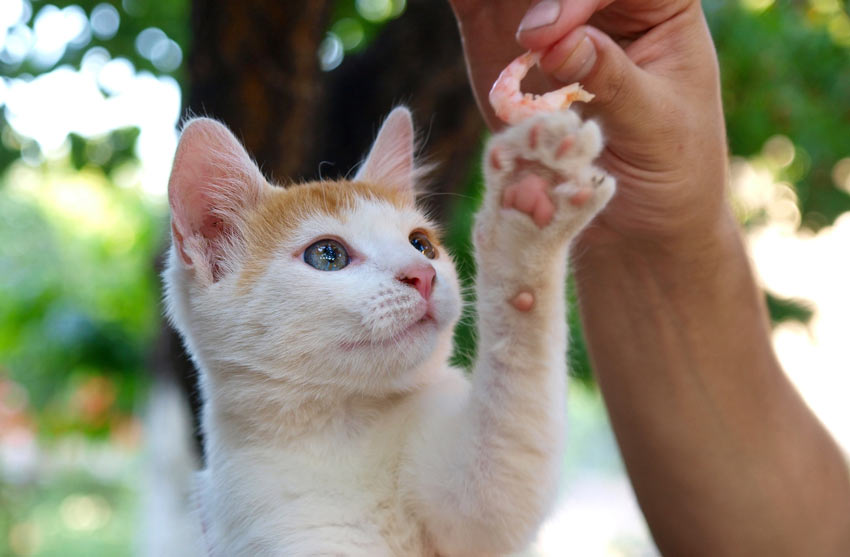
(416, 328)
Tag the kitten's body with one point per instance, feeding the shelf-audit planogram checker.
(333, 424)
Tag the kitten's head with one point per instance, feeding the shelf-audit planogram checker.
(340, 284)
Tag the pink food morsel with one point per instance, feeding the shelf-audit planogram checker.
(512, 105)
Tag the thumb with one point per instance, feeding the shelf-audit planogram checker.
(591, 57)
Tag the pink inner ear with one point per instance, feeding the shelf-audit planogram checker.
(212, 181)
(390, 161)
(180, 242)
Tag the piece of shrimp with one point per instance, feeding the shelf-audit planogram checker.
(512, 105)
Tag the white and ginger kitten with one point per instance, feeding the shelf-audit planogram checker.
(321, 316)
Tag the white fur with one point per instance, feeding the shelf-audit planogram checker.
(329, 430)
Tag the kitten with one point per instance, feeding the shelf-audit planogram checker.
(320, 317)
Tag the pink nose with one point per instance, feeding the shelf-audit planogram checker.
(420, 277)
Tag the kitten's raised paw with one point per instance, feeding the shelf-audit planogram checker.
(543, 168)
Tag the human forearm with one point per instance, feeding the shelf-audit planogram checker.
(725, 457)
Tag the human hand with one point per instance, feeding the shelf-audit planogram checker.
(653, 69)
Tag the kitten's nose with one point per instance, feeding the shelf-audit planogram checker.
(420, 277)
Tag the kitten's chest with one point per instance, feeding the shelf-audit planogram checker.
(335, 495)
(367, 513)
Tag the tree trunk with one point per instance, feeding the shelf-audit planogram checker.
(253, 65)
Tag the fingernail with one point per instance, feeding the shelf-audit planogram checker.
(579, 63)
(540, 15)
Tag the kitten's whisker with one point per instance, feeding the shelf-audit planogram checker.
(351, 170)
(329, 163)
(431, 194)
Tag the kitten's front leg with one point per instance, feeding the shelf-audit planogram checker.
(501, 472)
(542, 190)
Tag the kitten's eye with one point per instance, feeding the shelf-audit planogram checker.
(326, 255)
(421, 242)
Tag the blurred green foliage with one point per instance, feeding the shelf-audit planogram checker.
(786, 70)
(76, 303)
(151, 35)
(134, 16)
(74, 515)
(79, 301)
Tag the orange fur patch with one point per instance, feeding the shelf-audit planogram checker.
(281, 210)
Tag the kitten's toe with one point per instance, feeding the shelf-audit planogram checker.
(587, 195)
(498, 159)
(581, 196)
(589, 142)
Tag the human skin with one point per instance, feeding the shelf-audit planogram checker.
(723, 454)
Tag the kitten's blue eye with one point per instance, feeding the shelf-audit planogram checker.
(421, 242)
(326, 255)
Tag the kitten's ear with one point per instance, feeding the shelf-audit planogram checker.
(390, 161)
(213, 181)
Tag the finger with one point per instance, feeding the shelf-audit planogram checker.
(588, 55)
(546, 21)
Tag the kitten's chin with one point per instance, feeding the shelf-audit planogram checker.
(401, 362)
(415, 362)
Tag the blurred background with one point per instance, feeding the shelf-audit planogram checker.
(91, 95)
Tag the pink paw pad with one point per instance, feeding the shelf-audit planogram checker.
(495, 160)
(529, 195)
(523, 301)
(533, 135)
(581, 197)
(565, 146)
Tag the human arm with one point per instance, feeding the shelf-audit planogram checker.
(725, 457)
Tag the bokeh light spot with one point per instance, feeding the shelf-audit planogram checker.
(841, 174)
(375, 10)
(349, 31)
(825, 7)
(116, 75)
(398, 7)
(17, 45)
(756, 6)
(839, 28)
(25, 538)
(93, 60)
(54, 29)
(166, 55)
(779, 151)
(105, 21)
(85, 513)
(148, 39)
(12, 12)
(331, 52)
